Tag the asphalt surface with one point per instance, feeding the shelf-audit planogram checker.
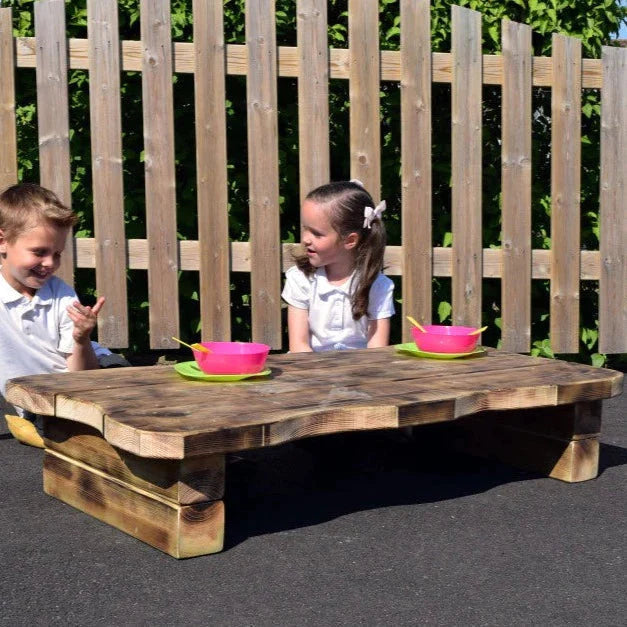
(371, 529)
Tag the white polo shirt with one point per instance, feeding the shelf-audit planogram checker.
(36, 335)
(331, 324)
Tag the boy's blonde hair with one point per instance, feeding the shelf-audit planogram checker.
(28, 204)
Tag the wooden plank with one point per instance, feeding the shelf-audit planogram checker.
(568, 460)
(211, 174)
(466, 166)
(565, 422)
(313, 95)
(52, 112)
(364, 87)
(417, 260)
(8, 137)
(288, 62)
(184, 482)
(86, 389)
(565, 187)
(189, 256)
(158, 116)
(613, 214)
(516, 188)
(154, 413)
(106, 161)
(174, 413)
(178, 530)
(263, 173)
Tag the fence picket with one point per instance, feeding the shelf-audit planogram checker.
(466, 166)
(159, 168)
(565, 185)
(53, 113)
(516, 187)
(263, 173)
(211, 174)
(365, 128)
(8, 141)
(315, 64)
(106, 152)
(613, 214)
(313, 95)
(416, 160)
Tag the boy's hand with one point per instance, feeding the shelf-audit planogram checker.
(84, 319)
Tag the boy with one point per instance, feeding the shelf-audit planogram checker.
(43, 326)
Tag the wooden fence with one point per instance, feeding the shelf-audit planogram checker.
(364, 65)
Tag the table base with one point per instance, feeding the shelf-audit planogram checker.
(173, 505)
(559, 442)
(176, 505)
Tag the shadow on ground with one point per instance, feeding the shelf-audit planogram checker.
(319, 479)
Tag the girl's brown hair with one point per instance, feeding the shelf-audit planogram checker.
(28, 204)
(345, 202)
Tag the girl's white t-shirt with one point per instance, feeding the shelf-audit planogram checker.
(331, 324)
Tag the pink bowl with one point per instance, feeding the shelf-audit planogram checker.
(443, 339)
(232, 357)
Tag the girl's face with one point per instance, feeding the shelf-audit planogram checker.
(32, 258)
(322, 242)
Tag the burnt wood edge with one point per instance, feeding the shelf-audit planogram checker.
(293, 425)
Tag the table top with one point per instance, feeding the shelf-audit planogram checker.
(154, 412)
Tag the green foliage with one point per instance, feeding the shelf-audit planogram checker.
(593, 21)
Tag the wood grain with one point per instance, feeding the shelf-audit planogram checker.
(466, 166)
(288, 62)
(417, 249)
(106, 161)
(613, 210)
(8, 137)
(179, 530)
(53, 123)
(158, 114)
(152, 412)
(211, 174)
(364, 86)
(516, 191)
(568, 460)
(263, 174)
(565, 188)
(189, 255)
(313, 95)
(185, 482)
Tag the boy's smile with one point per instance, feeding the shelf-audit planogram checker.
(32, 258)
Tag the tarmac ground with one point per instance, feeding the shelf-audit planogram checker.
(362, 529)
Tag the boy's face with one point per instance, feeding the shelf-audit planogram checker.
(32, 258)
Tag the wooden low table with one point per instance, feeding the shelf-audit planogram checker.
(143, 448)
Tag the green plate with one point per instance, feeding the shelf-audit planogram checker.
(411, 349)
(190, 370)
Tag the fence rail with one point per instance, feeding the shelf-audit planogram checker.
(364, 65)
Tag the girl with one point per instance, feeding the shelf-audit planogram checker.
(336, 294)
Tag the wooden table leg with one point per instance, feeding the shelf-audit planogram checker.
(561, 442)
(173, 505)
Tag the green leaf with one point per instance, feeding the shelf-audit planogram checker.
(444, 310)
(598, 359)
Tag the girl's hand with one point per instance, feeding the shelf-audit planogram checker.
(84, 319)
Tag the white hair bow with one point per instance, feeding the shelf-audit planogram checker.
(371, 214)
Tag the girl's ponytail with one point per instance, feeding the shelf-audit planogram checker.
(368, 264)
